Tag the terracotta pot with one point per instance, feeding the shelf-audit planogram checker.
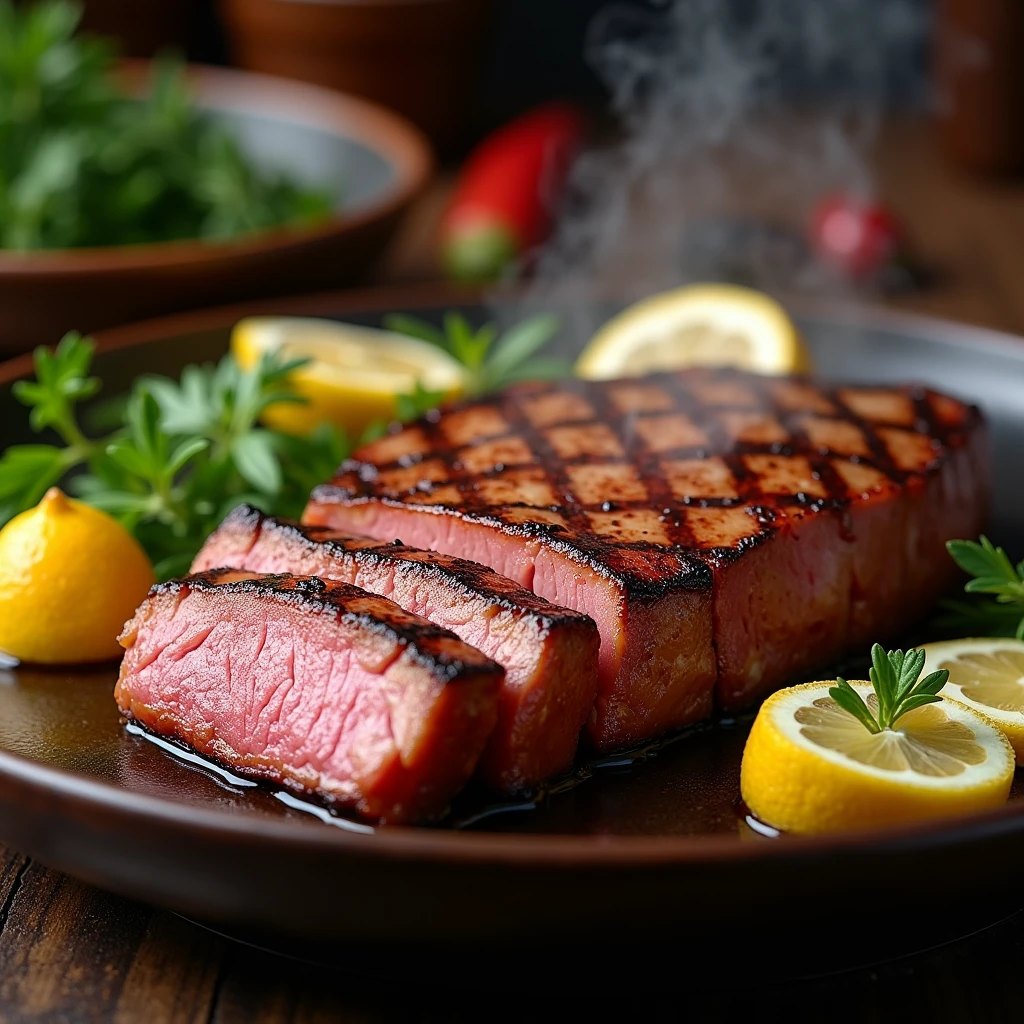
(419, 57)
(381, 159)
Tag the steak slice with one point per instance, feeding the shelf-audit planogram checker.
(315, 685)
(549, 653)
(728, 532)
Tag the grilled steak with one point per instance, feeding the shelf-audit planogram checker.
(726, 531)
(549, 653)
(315, 685)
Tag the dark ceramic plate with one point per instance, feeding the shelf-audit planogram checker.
(650, 844)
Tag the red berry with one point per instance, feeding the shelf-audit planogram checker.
(858, 237)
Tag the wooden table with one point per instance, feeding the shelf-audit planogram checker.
(70, 953)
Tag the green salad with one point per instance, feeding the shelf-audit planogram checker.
(84, 164)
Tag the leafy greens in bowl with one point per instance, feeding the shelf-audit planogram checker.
(84, 163)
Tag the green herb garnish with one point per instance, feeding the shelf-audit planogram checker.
(177, 456)
(81, 164)
(183, 456)
(996, 575)
(492, 359)
(894, 676)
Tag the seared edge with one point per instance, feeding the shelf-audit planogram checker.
(439, 650)
(472, 579)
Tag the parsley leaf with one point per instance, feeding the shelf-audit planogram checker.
(181, 456)
(995, 575)
(177, 455)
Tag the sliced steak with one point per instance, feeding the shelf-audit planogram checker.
(312, 684)
(728, 532)
(549, 653)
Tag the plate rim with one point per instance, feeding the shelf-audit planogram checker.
(520, 850)
(432, 295)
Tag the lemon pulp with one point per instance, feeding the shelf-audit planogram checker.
(927, 741)
(995, 680)
(987, 674)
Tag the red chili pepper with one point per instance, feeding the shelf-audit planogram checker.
(507, 191)
(858, 237)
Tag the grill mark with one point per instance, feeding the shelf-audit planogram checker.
(579, 539)
(880, 457)
(552, 465)
(799, 444)
(659, 494)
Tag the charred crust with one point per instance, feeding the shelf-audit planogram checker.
(590, 552)
(703, 398)
(245, 517)
(472, 578)
(446, 656)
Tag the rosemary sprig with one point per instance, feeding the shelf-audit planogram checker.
(895, 678)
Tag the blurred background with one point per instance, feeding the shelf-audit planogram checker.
(859, 148)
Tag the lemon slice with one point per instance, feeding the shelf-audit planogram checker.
(986, 674)
(809, 766)
(354, 375)
(700, 325)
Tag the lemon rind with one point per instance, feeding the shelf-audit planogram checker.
(606, 355)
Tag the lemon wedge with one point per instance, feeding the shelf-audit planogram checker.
(70, 575)
(986, 674)
(354, 374)
(699, 325)
(811, 767)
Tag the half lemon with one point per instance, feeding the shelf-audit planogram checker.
(699, 325)
(809, 766)
(354, 375)
(986, 674)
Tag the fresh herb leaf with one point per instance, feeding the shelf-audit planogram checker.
(181, 456)
(895, 678)
(492, 359)
(994, 574)
(177, 456)
(418, 403)
(520, 342)
(61, 382)
(850, 700)
(26, 473)
(256, 460)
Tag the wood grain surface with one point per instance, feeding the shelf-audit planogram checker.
(72, 954)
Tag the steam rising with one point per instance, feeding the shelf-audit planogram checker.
(736, 117)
